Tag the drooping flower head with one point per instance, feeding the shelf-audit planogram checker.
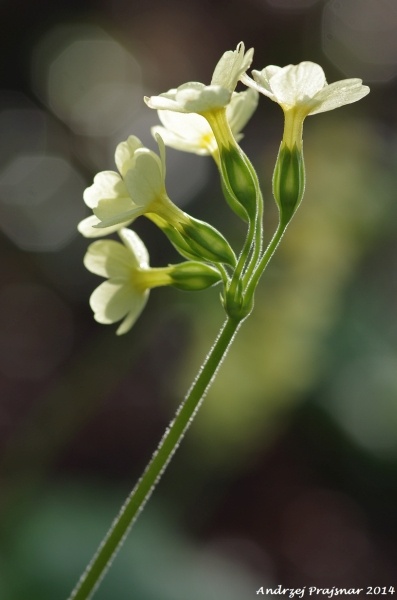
(302, 90)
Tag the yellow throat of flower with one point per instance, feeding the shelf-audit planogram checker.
(293, 125)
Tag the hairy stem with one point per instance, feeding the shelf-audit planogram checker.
(136, 501)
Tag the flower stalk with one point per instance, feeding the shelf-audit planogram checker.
(171, 440)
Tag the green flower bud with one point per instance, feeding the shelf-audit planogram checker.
(193, 276)
(288, 181)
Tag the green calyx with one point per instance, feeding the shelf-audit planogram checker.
(238, 182)
(288, 181)
(196, 240)
(193, 276)
(207, 242)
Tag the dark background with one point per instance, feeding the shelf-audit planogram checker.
(288, 475)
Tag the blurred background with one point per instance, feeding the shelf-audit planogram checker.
(288, 475)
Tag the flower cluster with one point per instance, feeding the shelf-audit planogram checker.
(205, 120)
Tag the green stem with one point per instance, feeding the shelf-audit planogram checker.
(136, 501)
(264, 261)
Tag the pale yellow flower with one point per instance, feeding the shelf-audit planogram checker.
(195, 97)
(117, 199)
(124, 294)
(192, 133)
(302, 90)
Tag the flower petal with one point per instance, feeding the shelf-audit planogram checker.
(231, 66)
(107, 184)
(173, 140)
(145, 182)
(125, 153)
(116, 211)
(339, 93)
(87, 227)
(161, 146)
(297, 84)
(200, 98)
(109, 258)
(113, 300)
(241, 108)
(182, 131)
(138, 251)
(165, 101)
(261, 81)
(134, 312)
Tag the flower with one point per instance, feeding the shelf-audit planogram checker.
(117, 199)
(126, 266)
(195, 97)
(129, 278)
(302, 90)
(192, 133)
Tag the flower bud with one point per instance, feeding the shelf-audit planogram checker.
(193, 276)
(288, 181)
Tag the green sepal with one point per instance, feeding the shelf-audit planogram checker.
(288, 181)
(207, 242)
(238, 183)
(192, 276)
(237, 304)
(196, 240)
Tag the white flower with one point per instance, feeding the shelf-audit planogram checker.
(195, 97)
(118, 198)
(124, 295)
(302, 90)
(192, 132)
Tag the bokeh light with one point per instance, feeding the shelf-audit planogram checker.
(363, 400)
(39, 199)
(360, 38)
(87, 79)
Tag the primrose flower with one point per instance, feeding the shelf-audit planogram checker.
(117, 199)
(126, 266)
(192, 132)
(210, 101)
(129, 278)
(195, 97)
(302, 90)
